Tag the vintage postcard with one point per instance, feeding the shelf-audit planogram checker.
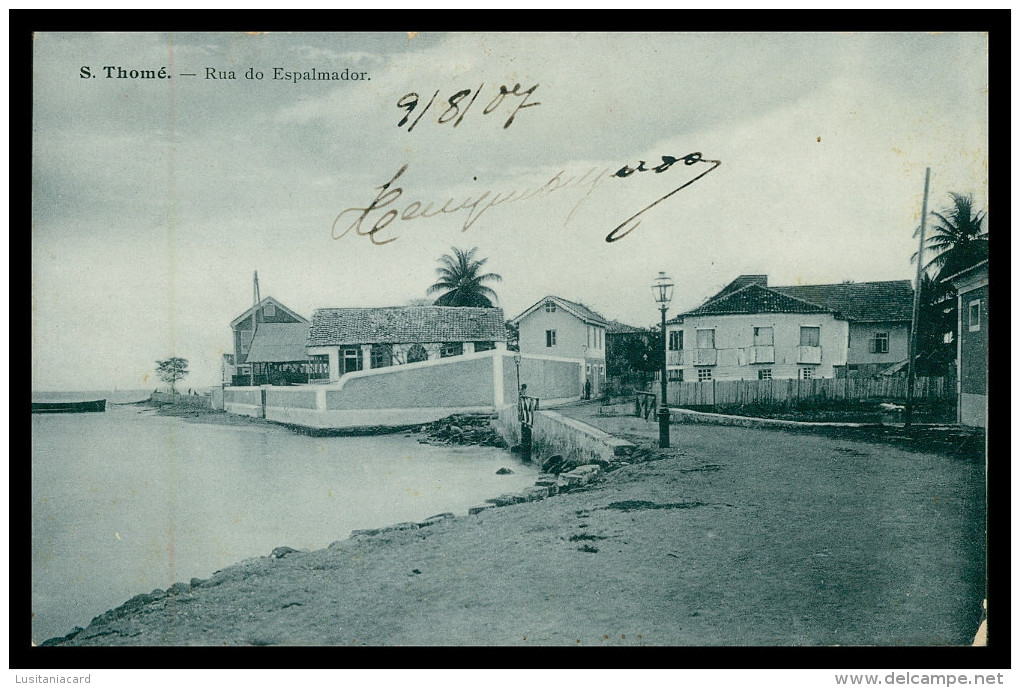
(509, 339)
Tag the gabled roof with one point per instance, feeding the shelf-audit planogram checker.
(279, 342)
(753, 298)
(580, 310)
(268, 300)
(405, 325)
(617, 327)
(740, 283)
(863, 301)
(972, 268)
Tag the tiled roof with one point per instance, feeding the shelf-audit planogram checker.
(617, 327)
(866, 301)
(408, 325)
(578, 309)
(279, 342)
(753, 298)
(586, 313)
(740, 283)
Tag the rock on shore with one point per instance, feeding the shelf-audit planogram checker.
(463, 428)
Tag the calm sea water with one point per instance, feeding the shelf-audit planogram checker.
(127, 501)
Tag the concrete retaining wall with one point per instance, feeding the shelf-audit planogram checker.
(554, 433)
(399, 396)
(459, 381)
(243, 401)
(547, 377)
(191, 400)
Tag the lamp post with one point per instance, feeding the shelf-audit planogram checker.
(517, 362)
(662, 288)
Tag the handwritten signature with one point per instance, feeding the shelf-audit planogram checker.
(475, 207)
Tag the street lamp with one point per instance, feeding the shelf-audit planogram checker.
(662, 288)
(517, 362)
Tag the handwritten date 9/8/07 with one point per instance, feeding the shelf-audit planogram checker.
(456, 108)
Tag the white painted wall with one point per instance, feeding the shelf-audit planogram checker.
(734, 335)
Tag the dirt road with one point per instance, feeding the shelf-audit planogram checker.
(737, 537)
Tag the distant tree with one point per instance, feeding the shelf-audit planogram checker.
(936, 327)
(513, 337)
(634, 352)
(171, 370)
(461, 280)
(958, 240)
(419, 302)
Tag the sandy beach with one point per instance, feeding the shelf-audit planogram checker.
(737, 536)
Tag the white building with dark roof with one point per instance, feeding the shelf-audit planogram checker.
(345, 340)
(749, 330)
(559, 328)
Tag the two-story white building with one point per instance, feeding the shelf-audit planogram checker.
(879, 314)
(558, 328)
(749, 331)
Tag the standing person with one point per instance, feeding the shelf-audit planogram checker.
(587, 388)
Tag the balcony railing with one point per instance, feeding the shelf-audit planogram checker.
(809, 354)
(705, 357)
(761, 354)
(675, 358)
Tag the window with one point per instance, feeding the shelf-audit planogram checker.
(245, 343)
(550, 337)
(763, 336)
(809, 336)
(451, 349)
(550, 307)
(974, 316)
(602, 369)
(807, 373)
(676, 340)
(590, 328)
(704, 374)
(269, 310)
(598, 331)
(880, 343)
(706, 339)
(587, 369)
(765, 374)
(676, 375)
(484, 346)
(417, 353)
(382, 355)
(350, 360)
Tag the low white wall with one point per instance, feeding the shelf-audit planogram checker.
(394, 396)
(243, 401)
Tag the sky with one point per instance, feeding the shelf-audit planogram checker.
(154, 200)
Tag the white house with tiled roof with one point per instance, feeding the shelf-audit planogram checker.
(556, 327)
(748, 331)
(879, 314)
(351, 339)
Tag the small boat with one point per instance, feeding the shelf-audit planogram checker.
(97, 406)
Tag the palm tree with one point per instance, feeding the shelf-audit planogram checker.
(959, 238)
(459, 278)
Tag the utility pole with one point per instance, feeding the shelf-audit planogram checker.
(908, 414)
(254, 325)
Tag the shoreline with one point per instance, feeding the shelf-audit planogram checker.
(709, 544)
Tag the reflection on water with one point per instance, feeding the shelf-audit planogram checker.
(124, 501)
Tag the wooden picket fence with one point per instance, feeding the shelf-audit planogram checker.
(787, 392)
